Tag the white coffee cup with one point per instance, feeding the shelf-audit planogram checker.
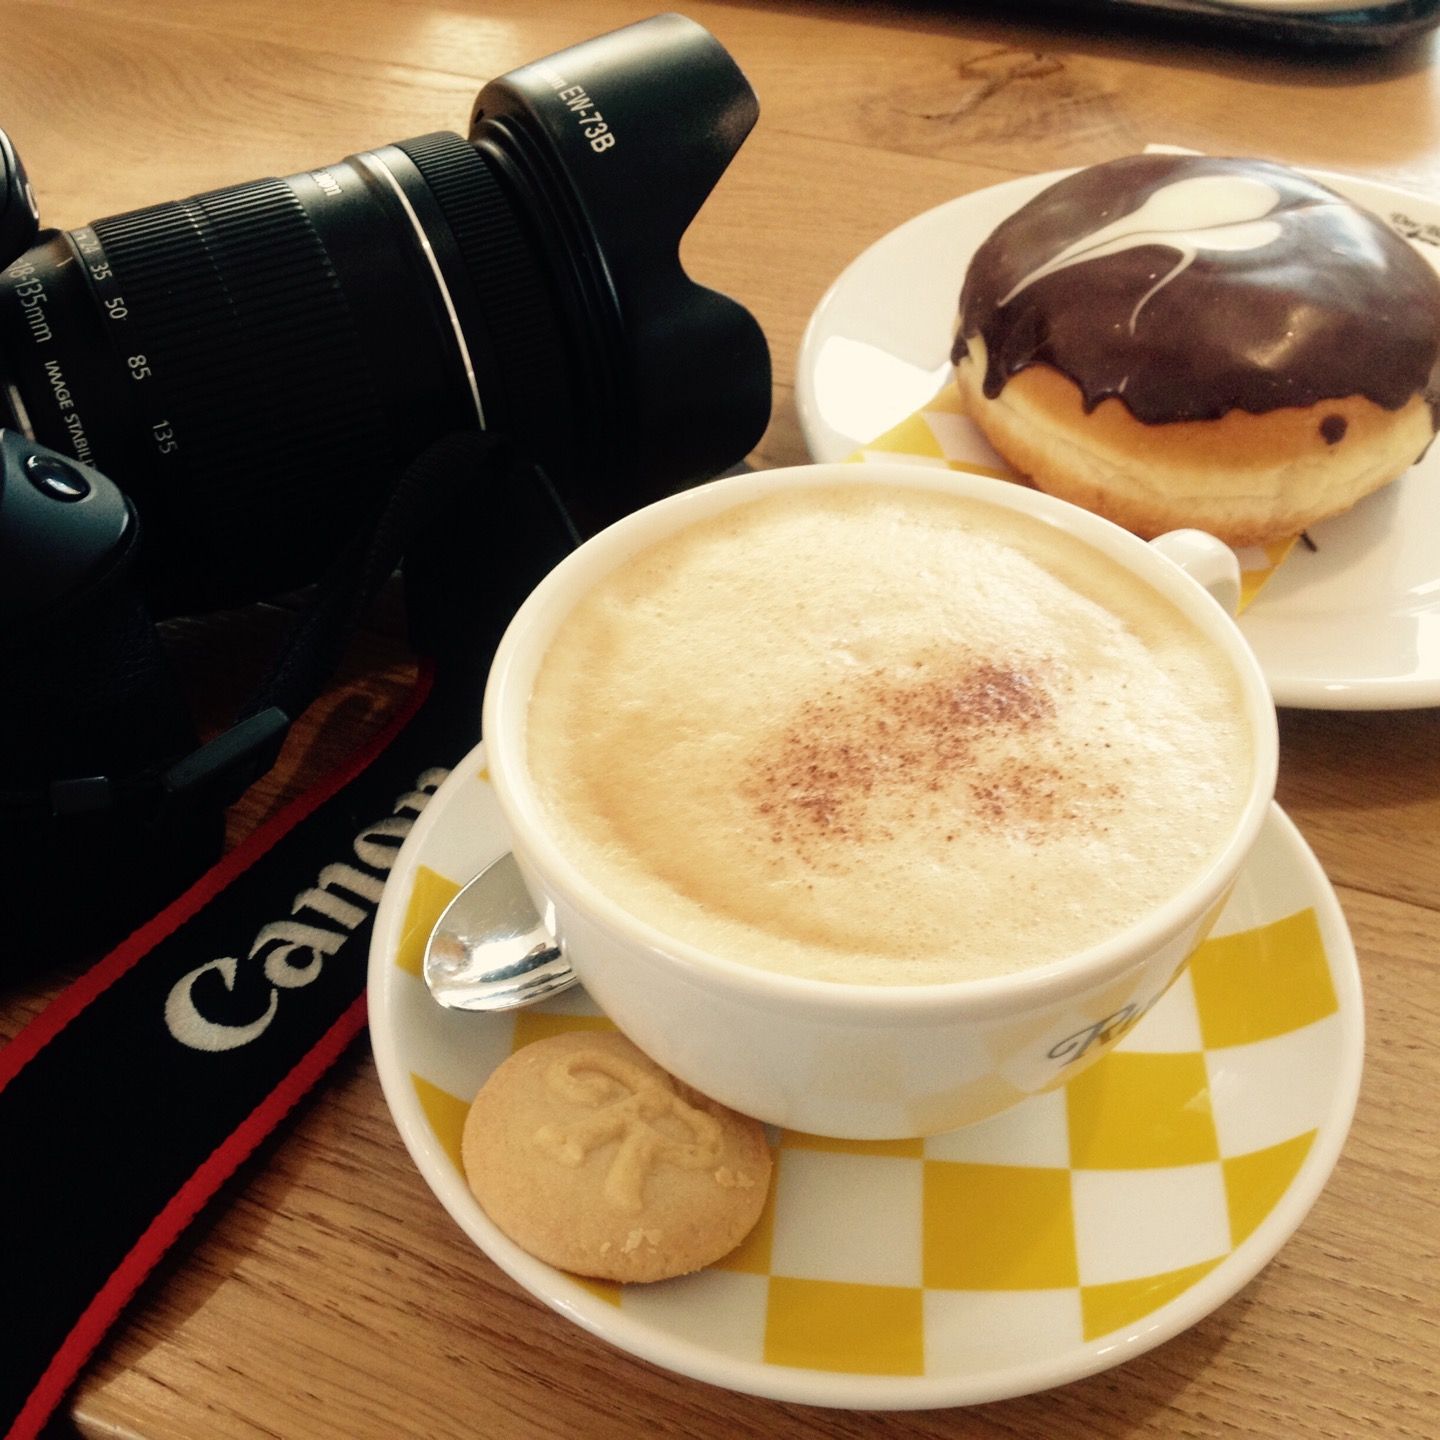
(865, 1061)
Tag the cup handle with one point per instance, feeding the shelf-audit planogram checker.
(1206, 560)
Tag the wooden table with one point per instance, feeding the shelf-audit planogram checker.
(327, 1294)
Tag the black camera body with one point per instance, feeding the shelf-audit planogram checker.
(211, 401)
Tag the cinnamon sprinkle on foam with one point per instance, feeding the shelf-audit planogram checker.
(902, 738)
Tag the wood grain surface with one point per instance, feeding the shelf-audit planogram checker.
(326, 1294)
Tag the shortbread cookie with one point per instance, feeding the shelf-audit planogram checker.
(591, 1157)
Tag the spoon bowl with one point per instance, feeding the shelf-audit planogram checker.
(490, 950)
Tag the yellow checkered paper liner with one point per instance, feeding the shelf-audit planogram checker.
(940, 433)
(1072, 1217)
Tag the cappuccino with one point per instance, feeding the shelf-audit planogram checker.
(886, 735)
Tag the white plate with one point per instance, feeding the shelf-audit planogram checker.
(1353, 625)
(1066, 1236)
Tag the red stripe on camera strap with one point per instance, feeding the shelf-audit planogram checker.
(162, 1232)
(73, 1320)
(57, 1014)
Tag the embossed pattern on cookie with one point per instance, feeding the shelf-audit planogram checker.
(591, 1157)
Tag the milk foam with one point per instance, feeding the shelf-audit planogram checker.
(888, 736)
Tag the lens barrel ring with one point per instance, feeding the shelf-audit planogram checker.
(512, 298)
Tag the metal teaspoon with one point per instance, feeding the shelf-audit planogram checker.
(489, 950)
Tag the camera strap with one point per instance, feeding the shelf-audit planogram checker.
(128, 1104)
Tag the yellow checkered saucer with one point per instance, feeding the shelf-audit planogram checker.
(1060, 1238)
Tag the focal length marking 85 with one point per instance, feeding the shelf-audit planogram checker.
(576, 100)
(137, 363)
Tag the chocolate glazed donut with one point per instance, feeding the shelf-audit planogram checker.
(1276, 344)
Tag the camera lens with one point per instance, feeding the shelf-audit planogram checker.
(253, 366)
(247, 364)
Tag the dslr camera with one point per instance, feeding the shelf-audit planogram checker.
(211, 401)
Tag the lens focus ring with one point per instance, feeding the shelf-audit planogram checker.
(512, 300)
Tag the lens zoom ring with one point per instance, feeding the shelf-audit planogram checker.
(232, 294)
(513, 300)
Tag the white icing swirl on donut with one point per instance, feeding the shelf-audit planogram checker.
(1205, 212)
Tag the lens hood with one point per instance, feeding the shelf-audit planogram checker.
(612, 147)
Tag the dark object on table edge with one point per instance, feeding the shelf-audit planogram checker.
(1358, 28)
